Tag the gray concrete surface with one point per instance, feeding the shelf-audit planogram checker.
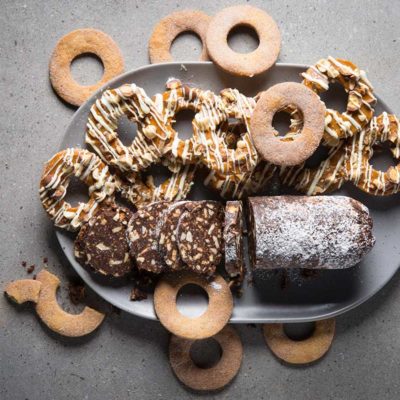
(127, 357)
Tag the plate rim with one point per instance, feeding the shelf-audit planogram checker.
(153, 317)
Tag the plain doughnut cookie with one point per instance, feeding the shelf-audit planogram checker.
(212, 378)
(300, 351)
(247, 64)
(75, 43)
(209, 323)
(171, 26)
(280, 150)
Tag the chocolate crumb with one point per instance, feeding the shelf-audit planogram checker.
(30, 269)
(45, 260)
(23, 263)
(34, 277)
(76, 292)
(137, 294)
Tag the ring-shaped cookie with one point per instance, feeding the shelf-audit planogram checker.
(360, 150)
(215, 377)
(55, 180)
(287, 151)
(180, 97)
(141, 190)
(247, 64)
(300, 351)
(171, 26)
(70, 46)
(209, 124)
(220, 305)
(101, 133)
(359, 108)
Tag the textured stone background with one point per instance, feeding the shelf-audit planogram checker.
(127, 357)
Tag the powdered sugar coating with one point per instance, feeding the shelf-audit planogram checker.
(330, 232)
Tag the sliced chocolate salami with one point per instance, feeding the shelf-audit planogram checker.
(200, 237)
(233, 241)
(101, 243)
(143, 236)
(168, 244)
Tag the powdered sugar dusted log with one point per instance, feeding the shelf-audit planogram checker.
(321, 232)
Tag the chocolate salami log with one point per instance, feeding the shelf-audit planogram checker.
(325, 232)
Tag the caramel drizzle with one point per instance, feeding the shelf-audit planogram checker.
(359, 152)
(361, 99)
(217, 155)
(102, 126)
(54, 184)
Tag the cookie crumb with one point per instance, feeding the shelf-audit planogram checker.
(30, 269)
(138, 294)
(76, 292)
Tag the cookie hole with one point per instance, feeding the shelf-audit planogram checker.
(383, 158)
(183, 124)
(281, 123)
(158, 173)
(243, 39)
(192, 301)
(319, 155)
(206, 353)
(186, 46)
(77, 192)
(126, 130)
(87, 69)
(298, 332)
(335, 97)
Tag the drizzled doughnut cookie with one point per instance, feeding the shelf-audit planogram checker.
(180, 97)
(102, 136)
(359, 109)
(359, 151)
(101, 244)
(215, 152)
(54, 183)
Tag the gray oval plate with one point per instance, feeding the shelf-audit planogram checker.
(273, 298)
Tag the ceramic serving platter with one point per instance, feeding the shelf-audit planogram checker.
(274, 297)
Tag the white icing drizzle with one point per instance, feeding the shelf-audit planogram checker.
(361, 99)
(54, 184)
(101, 133)
(384, 128)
